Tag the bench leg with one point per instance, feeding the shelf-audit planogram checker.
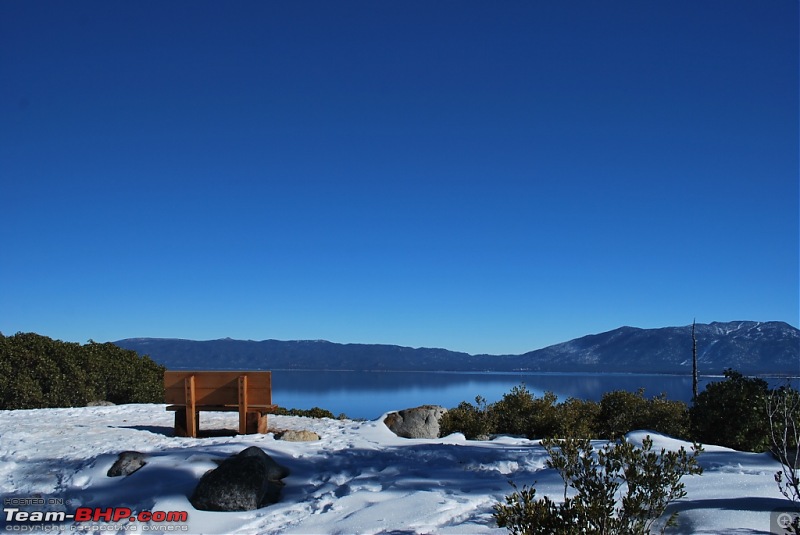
(181, 424)
(256, 423)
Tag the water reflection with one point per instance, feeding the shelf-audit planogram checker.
(370, 394)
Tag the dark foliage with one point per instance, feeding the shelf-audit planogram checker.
(314, 412)
(521, 413)
(617, 490)
(733, 413)
(475, 421)
(622, 412)
(39, 372)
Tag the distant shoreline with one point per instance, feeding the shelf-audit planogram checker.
(496, 372)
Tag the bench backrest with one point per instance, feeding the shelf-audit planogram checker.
(218, 387)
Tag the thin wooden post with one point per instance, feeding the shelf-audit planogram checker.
(191, 414)
(242, 404)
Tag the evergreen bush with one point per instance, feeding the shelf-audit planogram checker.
(622, 412)
(314, 412)
(521, 413)
(474, 421)
(733, 413)
(577, 418)
(618, 490)
(39, 372)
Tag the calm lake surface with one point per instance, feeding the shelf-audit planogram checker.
(370, 394)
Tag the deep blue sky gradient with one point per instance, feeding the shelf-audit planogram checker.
(486, 177)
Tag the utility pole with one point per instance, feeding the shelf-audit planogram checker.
(694, 363)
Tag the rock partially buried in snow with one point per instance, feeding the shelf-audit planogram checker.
(298, 436)
(249, 480)
(420, 422)
(127, 463)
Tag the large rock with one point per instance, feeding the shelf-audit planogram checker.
(249, 480)
(420, 422)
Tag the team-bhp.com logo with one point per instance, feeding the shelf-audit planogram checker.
(87, 519)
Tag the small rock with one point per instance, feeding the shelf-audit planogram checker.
(127, 463)
(298, 436)
(100, 403)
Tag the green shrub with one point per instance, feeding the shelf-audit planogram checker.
(314, 412)
(669, 417)
(543, 421)
(577, 418)
(519, 412)
(475, 421)
(650, 481)
(622, 412)
(513, 414)
(733, 413)
(37, 372)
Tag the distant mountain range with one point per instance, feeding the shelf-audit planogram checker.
(746, 346)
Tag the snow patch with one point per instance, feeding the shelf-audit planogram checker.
(358, 478)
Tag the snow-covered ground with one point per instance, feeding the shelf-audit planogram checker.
(359, 478)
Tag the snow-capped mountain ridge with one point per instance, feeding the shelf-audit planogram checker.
(747, 346)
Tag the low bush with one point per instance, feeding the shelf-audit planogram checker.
(622, 412)
(619, 489)
(578, 418)
(733, 413)
(783, 411)
(314, 412)
(521, 413)
(474, 421)
(513, 414)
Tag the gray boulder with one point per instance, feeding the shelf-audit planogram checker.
(127, 463)
(249, 480)
(420, 422)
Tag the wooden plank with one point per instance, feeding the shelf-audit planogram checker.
(220, 376)
(265, 409)
(191, 415)
(218, 387)
(242, 404)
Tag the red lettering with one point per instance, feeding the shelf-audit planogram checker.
(177, 516)
(121, 513)
(117, 514)
(103, 514)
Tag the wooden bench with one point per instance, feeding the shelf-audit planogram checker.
(247, 392)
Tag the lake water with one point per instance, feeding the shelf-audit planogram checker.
(370, 394)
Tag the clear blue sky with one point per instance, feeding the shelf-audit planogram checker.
(490, 177)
